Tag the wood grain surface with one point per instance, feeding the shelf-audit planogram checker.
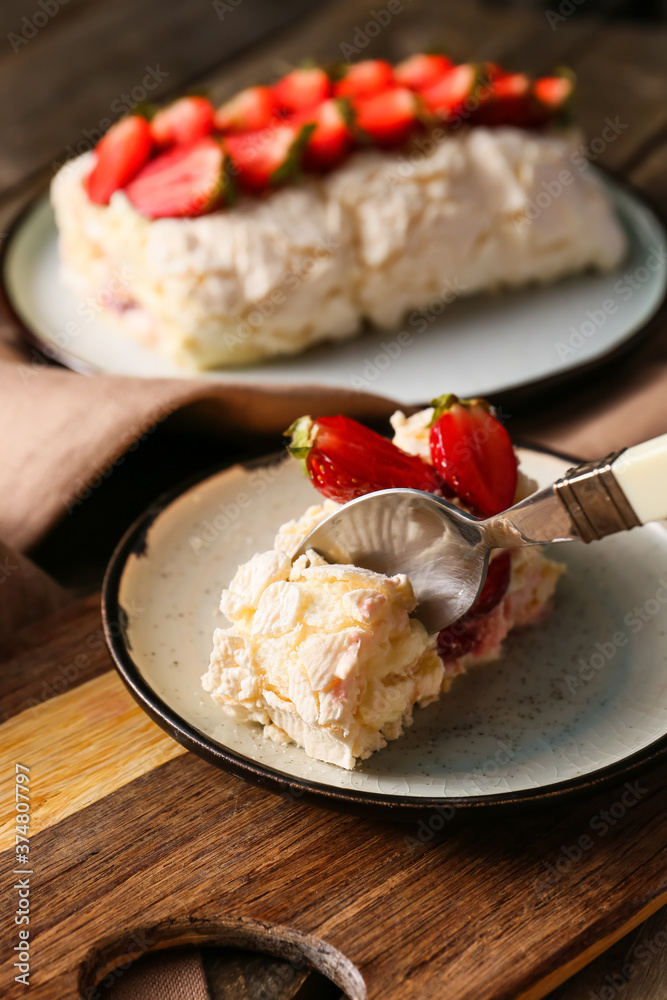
(154, 852)
(151, 847)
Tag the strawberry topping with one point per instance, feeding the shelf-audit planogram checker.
(421, 71)
(183, 122)
(186, 180)
(331, 137)
(302, 89)
(507, 101)
(554, 92)
(365, 78)
(346, 460)
(446, 98)
(388, 118)
(268, 157)
(251, 109)
(120, 154)
(306, 122)
(473, 453)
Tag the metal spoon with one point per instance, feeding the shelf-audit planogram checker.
(445, 551)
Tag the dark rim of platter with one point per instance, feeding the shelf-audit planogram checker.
(512, 394)
(133, 542)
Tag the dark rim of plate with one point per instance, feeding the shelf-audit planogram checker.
(518, 394)
(348, 800)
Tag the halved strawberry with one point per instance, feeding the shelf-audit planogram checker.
(507, 101)
(248, 111)
(446, 98)
(388, 118)
(302, 89)
(421, 71)
(119, 155)
(270, 156)
(365, 78)
(186, 120)
(331, 137)
(463, 636)
(345, 460)
(554, 92)
(473, 453)
(184, 181)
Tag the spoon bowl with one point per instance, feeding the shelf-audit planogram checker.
(442, 549)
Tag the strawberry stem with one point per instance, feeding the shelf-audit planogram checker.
(145, 109)
(441, 404)
(302, 432)
(228, 185)
(347, 112)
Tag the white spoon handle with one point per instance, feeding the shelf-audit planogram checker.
(618, 492)
(641, 472)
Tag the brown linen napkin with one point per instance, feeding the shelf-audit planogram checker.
(61, 431)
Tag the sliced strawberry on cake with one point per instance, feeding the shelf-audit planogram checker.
(302, 89)
(185, 181)
(345, 460)
(363, 79)
(473, 453)
(269, 157)
(119, 156)
(183, 122)
(389, 118)
(250, 110)
(555, 95)
(447, 97)
(506, 101)
(331, 137)
(422, 71)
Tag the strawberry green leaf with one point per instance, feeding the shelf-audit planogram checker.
(302, 432)
(441, 404)
(291, 168)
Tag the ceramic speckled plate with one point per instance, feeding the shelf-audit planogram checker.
(579, 700)
(488, 344)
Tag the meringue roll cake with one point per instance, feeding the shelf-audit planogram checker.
(328, 656)
(295, 212)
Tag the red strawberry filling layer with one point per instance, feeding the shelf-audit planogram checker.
(310, 120)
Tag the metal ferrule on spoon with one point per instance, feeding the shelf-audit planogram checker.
(445, 551)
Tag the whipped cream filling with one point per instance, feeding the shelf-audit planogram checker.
(382, 234)
(323, 655)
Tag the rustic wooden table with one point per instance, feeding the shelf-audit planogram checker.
(65, 75)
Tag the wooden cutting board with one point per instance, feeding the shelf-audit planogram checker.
(136, 845)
